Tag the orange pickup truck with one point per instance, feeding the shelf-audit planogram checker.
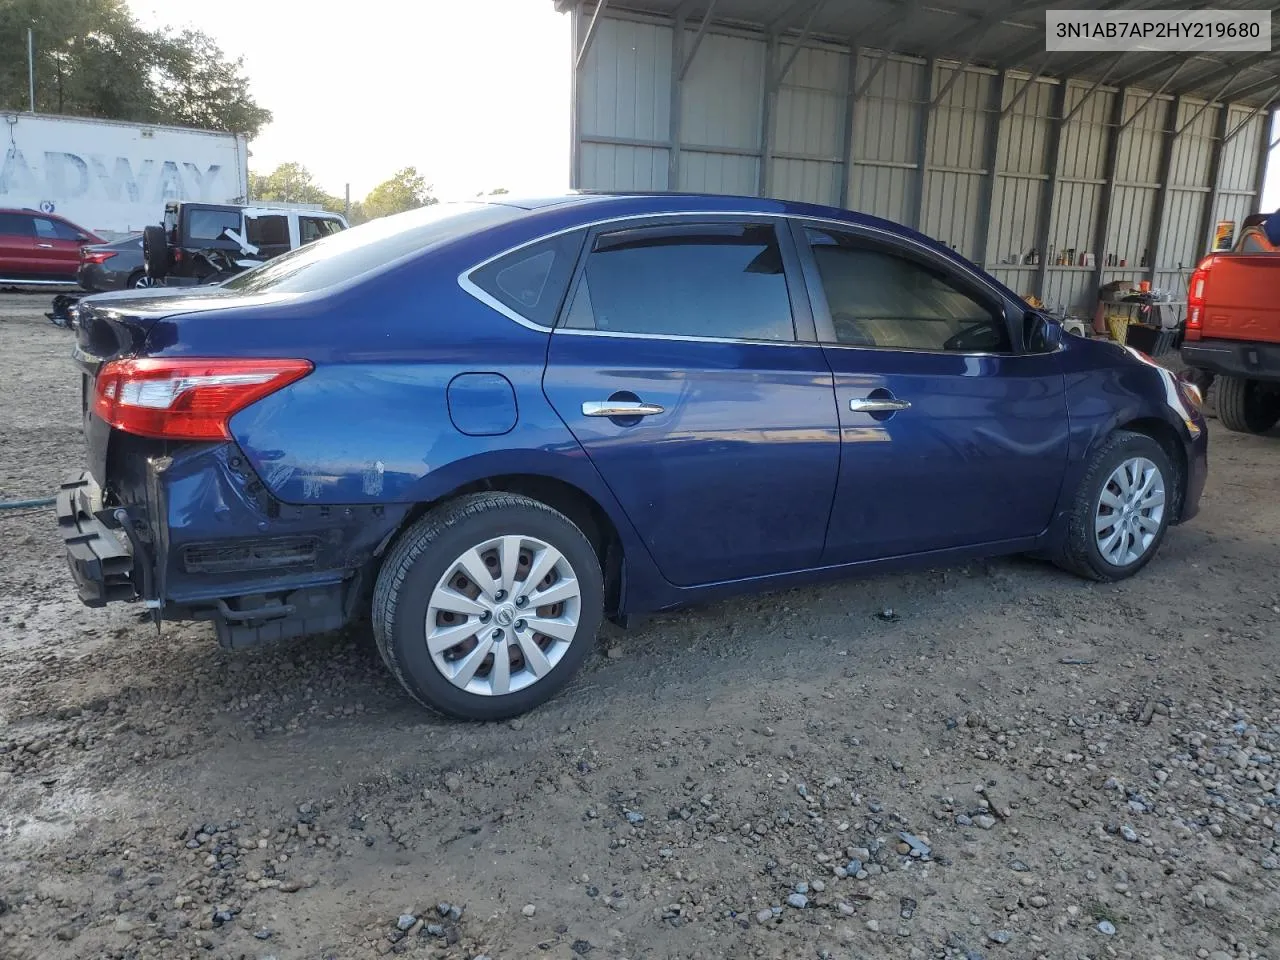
(1233, 332)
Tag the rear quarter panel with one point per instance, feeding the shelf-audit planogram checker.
(372, 423)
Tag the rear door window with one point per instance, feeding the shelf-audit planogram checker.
(16, 225)
(272, 231)
(314, 228)
(713, 280)
(530, 282)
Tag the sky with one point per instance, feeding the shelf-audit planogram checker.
(474, 93)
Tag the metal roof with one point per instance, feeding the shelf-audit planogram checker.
(999, 34)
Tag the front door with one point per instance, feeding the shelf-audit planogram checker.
(57, 249)
(953, 435)
(679, 369)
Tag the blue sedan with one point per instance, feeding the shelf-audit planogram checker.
(487, 426)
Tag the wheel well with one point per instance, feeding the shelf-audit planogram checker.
(1165, 435)
(574, 503)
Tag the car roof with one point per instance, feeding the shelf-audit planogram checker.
(658, 202)
(603, 204)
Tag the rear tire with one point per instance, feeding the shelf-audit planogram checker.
(1248, 406)
(1114, 528)
(460, 644)
(138, 280)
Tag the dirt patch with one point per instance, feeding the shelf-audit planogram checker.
(1019, 765)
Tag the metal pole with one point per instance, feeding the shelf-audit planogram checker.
(31, 68)
(1044, 226)
(347, 203)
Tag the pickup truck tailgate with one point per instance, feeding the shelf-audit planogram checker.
(1242, 299)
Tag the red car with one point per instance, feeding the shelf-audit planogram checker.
(40, 247)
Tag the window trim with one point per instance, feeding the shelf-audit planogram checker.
(473, 288)
(800, 283)
(968, 283)
(802, 329)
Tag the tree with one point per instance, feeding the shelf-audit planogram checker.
(292, 182)
(93, 59)
(495, 192)
(406, 190)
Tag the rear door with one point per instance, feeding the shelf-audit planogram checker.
(954, 434)
(57, 248)
(17, 247)
(684, 365)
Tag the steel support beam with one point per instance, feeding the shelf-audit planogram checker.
(799, 45)
(1253, 113)
(575, 98)
(764, 181)
(977, 33)
(1092, 90)
(1264, 155)
(1231, 70)
(887, 47)
(990, 160)
(922, 145)
(1151, 97)
(1215, 175)
(697, 39)
(1102, 226)
(675, 112)
(601, 6)
(1045, 224)
(1163, 172)
(1026, 87)
(1203, 107)
(850, 105)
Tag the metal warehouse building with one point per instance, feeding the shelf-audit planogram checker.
(947, 115)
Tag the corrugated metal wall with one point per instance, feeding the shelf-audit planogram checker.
(970, 160)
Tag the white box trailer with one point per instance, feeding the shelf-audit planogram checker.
(114, 178)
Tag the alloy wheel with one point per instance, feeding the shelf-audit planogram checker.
(503, 615)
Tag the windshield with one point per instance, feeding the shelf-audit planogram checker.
(350, 253)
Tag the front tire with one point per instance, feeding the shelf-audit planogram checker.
(1248, 406)
(1121, 509)
(487, 606)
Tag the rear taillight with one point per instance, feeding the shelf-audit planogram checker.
(186, 399)
(1195, 299)
(95, 256)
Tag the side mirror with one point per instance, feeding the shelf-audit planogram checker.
(1041, 333)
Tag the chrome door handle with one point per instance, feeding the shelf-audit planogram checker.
(45, 246)
(877, 405)
(620, 408)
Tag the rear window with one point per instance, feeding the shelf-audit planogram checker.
(350, 253)
(209, 224)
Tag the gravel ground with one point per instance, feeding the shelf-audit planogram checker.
(1014, 764)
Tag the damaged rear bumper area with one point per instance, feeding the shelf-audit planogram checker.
(193, 534)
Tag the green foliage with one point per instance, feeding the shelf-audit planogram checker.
(94, 60)
(292, 182)
(406, 190)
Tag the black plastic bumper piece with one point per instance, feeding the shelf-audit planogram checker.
(1234, 358)
(101, 564)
